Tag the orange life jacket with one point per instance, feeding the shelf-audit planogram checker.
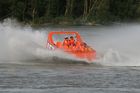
(72, 42)
(65, 47)
(66, 42)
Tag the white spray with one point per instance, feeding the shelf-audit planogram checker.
(117, 45)
(22, 43)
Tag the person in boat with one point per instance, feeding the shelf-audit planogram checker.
(66, 42)
(72, 41)
(81, 46)
(86, 47)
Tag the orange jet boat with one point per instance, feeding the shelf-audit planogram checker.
(71, 44)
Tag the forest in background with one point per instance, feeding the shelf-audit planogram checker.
(70, 11)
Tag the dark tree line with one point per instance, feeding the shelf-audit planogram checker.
(75, 11)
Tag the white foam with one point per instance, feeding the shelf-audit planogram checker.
(117, 45)
(20, 42)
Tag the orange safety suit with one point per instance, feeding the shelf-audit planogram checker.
(66, 44)
(72, 42)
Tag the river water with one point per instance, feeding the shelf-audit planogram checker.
(26, 66)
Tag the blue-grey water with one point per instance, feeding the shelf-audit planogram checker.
(68, 78)
(26, 66)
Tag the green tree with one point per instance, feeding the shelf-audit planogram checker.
(102, 13)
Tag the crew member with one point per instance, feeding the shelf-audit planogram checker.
(72, 41)
(66, 42)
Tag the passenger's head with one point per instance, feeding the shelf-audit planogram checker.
(85, 45)
(66, 38)
(71, 37)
